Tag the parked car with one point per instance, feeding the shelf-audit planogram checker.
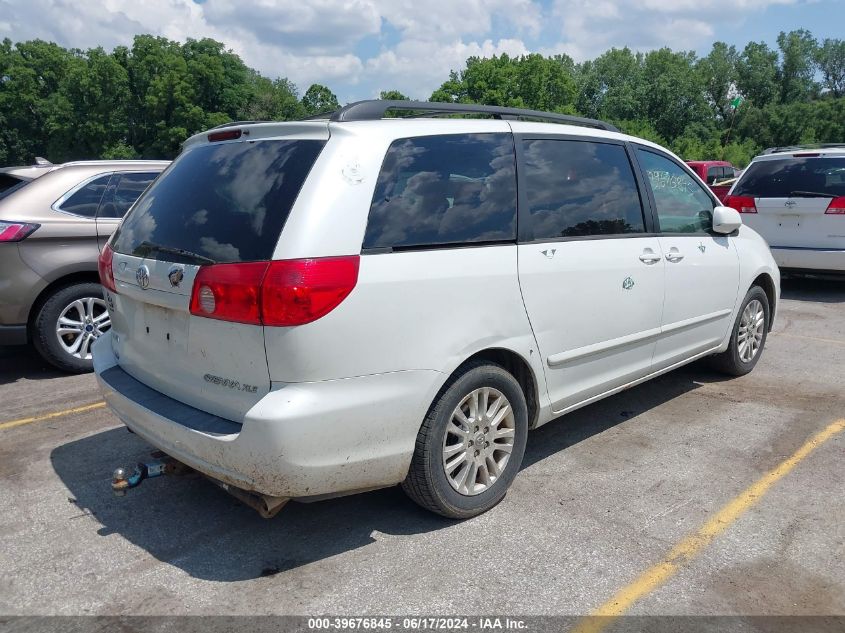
(718, 174)
(315, 308)
(51, 230)
(795, 198)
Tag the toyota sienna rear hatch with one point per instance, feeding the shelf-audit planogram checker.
(794, 201)
(217, 213)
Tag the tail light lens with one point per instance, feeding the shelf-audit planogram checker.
(298, 291)
(15, 231)
(104, 265)
(743, 204)
(229, 292)
(836, 206)
(277, 293)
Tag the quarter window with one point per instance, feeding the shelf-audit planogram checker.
(123, 191)
(682, 205)
(444, 190)
(86, 200)
(580, 188)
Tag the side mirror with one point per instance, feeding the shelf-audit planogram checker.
(726, 220)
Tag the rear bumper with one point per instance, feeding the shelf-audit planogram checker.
(820, 259)
(13, 335)
(300, 440)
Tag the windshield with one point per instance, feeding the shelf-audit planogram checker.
(223, 202)
(10, 184)
(783, 178)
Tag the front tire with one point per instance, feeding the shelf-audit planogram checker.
(748, 336)
(68, 323)
(471, 443)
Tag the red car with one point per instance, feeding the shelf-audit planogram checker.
(715, 171)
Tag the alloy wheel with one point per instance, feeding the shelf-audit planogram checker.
(479, 440)
(80, 324)
(751, 329)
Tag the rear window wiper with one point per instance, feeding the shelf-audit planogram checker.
(811, 194)
(145, 248)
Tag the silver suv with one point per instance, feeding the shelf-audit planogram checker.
(319, 307)
(54, 219)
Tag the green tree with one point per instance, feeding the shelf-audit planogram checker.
(272, 100)
(671, 92)
(318, 100)
(757, 74)
(798, 65)
(830, 57)
(392, 95)
(609, 86)
(718, 72)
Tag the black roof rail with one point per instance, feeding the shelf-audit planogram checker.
(798, 148)
(375, 109)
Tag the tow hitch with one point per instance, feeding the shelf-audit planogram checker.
(162, 464)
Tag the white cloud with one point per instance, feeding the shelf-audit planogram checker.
(590, 27)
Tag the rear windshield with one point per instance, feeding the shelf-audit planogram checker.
(10, 184)
(793, 176)
(222, 202)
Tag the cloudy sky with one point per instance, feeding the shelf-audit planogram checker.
(358, 47)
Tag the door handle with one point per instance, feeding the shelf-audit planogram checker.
(649, 257)
(674, 255)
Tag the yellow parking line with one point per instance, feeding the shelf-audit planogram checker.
(688, 548)
(50, 416)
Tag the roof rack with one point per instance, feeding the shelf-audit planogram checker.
(375, 109)
(795, 148)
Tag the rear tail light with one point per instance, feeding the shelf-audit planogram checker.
(104, 265)
(836, 206)
(298, 291)
(15, 231)
(277, 293)
(229, 292)
(743, 204)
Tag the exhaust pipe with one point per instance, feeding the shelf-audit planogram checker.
(265, 505)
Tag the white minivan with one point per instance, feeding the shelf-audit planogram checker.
(314, 308)
(795, 198)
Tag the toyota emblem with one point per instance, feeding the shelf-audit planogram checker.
(142, 275)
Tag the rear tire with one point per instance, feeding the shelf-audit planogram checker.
(748, 337)
(467, 452)
(83, 314)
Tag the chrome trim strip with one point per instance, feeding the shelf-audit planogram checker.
(562, 358)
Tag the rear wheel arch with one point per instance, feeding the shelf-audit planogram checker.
(516, 365)
(81, 277)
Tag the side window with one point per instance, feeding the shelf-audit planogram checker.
(714, 174)
(580, 188)
(682, 205)
(85, 200)
(441, 190)
(123, 191)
